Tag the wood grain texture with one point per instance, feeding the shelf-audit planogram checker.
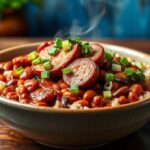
(11, 140)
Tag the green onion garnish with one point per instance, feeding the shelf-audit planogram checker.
(109, 76)
(140, 65)
(66, 70)
(58, 43)
(32, 55)
(44, 60)
(74, 88)
(116, 67)
(45, 75)
(19, 70)
(108, 56)
(36, 61)
(66, 45)
(124, 61)
(52, 51)
(107, 94)
(108, 85)
(47, 65)
(129, 71)
(86, 48)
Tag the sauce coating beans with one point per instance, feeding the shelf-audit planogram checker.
(73, 74)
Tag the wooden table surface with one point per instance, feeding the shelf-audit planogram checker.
(11, 140)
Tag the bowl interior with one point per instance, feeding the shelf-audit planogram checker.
(10, 53)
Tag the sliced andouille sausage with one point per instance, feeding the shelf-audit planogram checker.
(43, 45)
(59, 61)
(97, 53)
(44, 95)
(84, 73)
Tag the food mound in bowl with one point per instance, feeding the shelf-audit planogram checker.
(74, 74)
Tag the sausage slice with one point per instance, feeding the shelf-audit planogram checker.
(59, 61)
(84, 73)
(97, 53)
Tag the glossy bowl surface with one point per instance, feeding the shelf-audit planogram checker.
(64, 128)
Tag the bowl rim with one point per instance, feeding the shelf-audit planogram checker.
(66, 110)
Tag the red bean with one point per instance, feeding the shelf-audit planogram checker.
(26, 74)
(121, 91)
(62, 84)
(132, 97)
(8, 65)
(121, 75)
(12, 96)
(22, 89)
(71, 97)
(2, 77)
(97, 101)
(83, 103)
(44, 95)
(21, 61)
(122, 100)
(137, 88)
(89, 94)
(31, 85)
(49, 84)
(8, 89)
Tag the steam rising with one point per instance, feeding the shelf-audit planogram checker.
(96, 9)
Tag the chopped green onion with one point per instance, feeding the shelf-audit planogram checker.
(140, 65)
(66, 45)
(52, 51)
(124, 61)
(19, 70)
(45, 75)
(36, 61)
(76, 40)
(116, 67)
(108, 85)
(109, 76)
(74, 88)
(47, 65)
(86, 48)
(32, 55)
(129, 71)
(108, 56)
(44, 60)
(66, 70)
(107, 94)
(58, 43)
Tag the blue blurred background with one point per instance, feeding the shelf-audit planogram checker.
(121, 19)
